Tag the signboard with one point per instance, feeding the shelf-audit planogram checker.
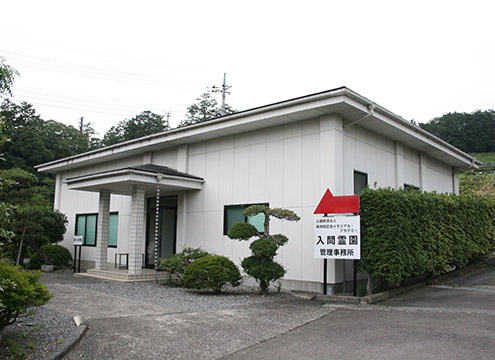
(78, 240)
(338, 237)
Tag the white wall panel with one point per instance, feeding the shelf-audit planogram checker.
(241, 174)
(211, 187)
(226, 177)
(275, 173)
(257, 173)
(310, 170)
(292, 172)
(166, 157)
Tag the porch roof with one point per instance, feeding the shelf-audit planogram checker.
(120, 181)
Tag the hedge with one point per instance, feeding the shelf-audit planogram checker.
(409, 234)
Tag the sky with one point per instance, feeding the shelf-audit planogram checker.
(108, 60)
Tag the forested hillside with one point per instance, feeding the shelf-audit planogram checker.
(471, 132)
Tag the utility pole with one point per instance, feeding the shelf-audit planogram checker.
(167, 115)
(224, 92)
(81, 124)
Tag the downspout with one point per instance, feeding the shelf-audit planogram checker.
(371, 111)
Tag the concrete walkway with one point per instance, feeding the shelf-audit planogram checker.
(451, 320)
(120, 328)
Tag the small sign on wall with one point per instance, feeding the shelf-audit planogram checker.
(338, 237)
(78, 240)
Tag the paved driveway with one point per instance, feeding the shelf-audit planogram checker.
(451, 320)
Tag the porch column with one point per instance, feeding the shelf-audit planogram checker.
(136, 230)
(102, 230)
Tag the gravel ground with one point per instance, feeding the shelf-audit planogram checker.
(182, 300)
(35, 335)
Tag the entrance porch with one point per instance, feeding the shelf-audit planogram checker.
(152, 229)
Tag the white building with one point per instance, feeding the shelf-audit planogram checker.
(285, 155)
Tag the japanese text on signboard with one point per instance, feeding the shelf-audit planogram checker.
(337, 237)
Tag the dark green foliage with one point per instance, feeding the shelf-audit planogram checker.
(263, 248)
(212, 272)
(176, 264)
(261, 265)
(34, 222)
(407, 235)
(20, 290)
(34, 141)
(7, 75)
(206, 108)
(254, 210)
(474, 132)
(476, 183)
(146, 123)
(242, 231)
(58, 255)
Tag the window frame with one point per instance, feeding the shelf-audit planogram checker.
(411, 187)
(117, 234)
(360, 173)
(85, 215)
(237, 206)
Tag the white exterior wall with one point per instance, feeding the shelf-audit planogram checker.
(288, 166)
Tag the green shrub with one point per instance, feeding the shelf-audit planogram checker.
(57, 254)
(408, 235)
(212, 272)
(261, 265)
(19, 290)
(176, 264)
(242, 231)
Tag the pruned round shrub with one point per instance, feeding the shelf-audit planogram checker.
(263, 248)
(263, 269)
(212, 272)
(57, 254)
(176, 264)
(20, 290)
(242, 231)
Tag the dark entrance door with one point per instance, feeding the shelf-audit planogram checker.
(167, 229)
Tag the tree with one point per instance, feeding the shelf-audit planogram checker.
(33, 222)
(206, 108)
(20, 290)
(146, 123)
(7, 75)
(34, 141)
(260, 264)
(474, 132)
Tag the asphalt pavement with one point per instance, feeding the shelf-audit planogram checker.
(453, 319)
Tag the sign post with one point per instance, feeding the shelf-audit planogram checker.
(78, 240)
(338, 236)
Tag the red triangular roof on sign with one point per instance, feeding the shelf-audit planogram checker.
(330, 204)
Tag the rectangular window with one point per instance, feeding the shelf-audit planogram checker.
(113, 227)
(86, 225)
(360, 181)
(233, 214)
(409, 187)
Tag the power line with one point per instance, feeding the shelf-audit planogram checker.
(84, 73)
(29, 93)
(116, 73)
(94, 99)
(137, 61)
